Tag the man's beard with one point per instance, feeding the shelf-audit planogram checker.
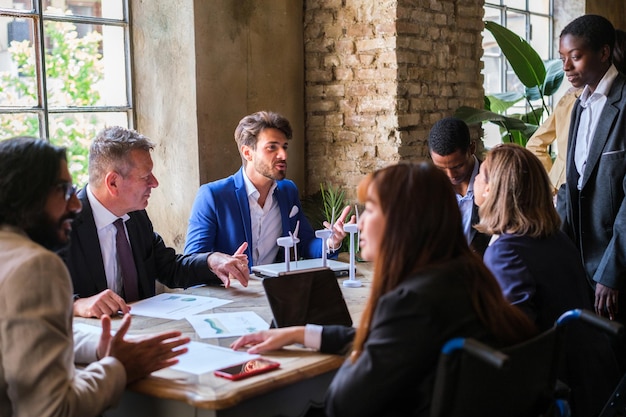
(46, 232)
(266, 171)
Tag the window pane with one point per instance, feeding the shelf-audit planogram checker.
(85, 65)
(492, 15)
(517, 4)
(110, 9)
(18, 5)
(491, 74)
(17, 64)
(540, 36)
(512, 82)
(18, 124)
(539, 6)
(516, 22)
(75, 131)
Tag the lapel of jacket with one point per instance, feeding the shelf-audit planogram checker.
(241, 196)
(571, 172)
(601, 135)
(283, 203)
(87, 236)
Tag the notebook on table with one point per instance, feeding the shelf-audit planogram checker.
(312, 296)
(340, 269)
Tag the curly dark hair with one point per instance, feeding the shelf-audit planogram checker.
(596, 31)
(449, 135)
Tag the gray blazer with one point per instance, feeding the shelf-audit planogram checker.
(595, 217)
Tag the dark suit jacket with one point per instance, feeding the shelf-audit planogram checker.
(545, 278)
(480, 241)
(595, 217)
(395, 373)
(154, 260)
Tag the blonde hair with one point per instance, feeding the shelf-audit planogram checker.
(520, 195)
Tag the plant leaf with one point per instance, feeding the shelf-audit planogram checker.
(471, 115)
(533, 93)
(524, 60)
(554, 77)
(533, 117)
(500, 102)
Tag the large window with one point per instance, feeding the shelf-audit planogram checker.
(64, 72)
(530, 19)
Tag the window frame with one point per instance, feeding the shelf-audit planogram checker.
(42, 110)
(503, 66)
(503, 11)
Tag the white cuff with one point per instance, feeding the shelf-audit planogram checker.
(313, 336)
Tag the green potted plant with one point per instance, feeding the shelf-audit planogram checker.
(540, 79)
(320, 206)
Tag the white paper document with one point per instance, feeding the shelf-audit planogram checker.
(227, 324)
(202, 358)
(174, 306)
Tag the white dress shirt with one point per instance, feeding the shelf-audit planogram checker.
(266, 224)
(106, 235)
(592, 104)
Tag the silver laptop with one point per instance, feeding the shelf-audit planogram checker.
(340, 269)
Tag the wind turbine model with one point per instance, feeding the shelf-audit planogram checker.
(290, 241)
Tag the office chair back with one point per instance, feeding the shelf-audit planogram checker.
(474, 380)
(616, 405)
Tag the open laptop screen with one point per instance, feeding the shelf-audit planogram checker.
(306, 297)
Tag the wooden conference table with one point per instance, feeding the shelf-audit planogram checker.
(300, 381)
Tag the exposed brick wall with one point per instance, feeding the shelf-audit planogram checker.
(378, 74)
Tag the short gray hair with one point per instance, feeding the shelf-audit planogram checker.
(110, 150)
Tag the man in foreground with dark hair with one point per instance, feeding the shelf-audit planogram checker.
(38, 347)
(452, 151)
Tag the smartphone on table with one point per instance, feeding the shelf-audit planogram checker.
(246, 369)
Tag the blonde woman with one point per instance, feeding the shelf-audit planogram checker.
(538, 266)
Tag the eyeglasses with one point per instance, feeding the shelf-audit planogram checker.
(67, 188)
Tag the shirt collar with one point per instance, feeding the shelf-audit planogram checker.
(603, 88)
(101, 215)
(251, 190)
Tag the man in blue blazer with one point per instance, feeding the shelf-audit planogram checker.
(121, 179)
(257, 204)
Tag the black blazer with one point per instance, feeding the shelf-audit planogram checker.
(480, 241)
(394, 375)
(154, 260)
